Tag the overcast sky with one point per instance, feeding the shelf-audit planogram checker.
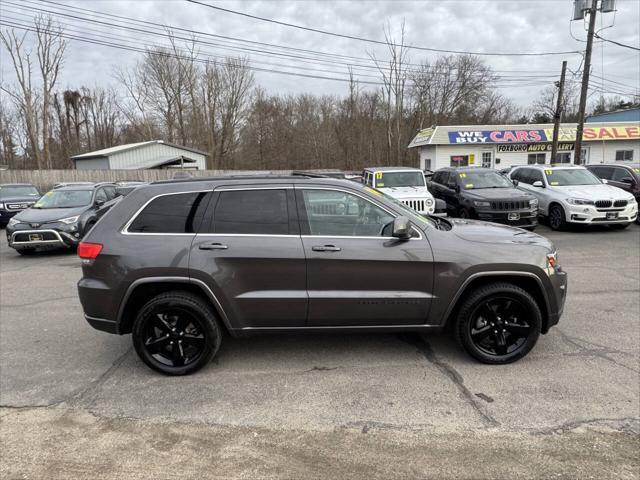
(471, 25)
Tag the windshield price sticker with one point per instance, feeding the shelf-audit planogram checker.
(549, 172)
(469, 185)
(553, 183)
(379, 176)
(373, 191)
(463, 175)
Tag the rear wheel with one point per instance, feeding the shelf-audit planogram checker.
(499, 323)
(176, 333)
(557, 220)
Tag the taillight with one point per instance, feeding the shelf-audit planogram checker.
(89, 251)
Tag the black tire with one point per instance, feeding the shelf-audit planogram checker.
(89, 225)
(557, 218)
(620, 226)
(498, 335)
(176, 333)
(465, 213)
(26, 251)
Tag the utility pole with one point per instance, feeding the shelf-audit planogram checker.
(558, 114)
(577, 156)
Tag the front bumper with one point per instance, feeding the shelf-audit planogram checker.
(43, 238)
(589, 214)
(559, 283)
(515, 218)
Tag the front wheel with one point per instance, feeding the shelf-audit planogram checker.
(176, 333)
(499, 323)
(464, 213)
(557, 220)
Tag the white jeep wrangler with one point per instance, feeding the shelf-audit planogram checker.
(404, 184)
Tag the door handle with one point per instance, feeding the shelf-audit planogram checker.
(212, 246)
(325, 248)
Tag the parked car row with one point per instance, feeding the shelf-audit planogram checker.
(58, 219)
(562, 194)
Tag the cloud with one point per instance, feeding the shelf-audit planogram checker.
(486, 26)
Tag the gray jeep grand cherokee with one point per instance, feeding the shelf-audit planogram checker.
(177, 263)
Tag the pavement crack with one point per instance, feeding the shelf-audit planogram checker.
(629, 425)
(597, 350)
(17, 305)
(83, 393)
(449, 371)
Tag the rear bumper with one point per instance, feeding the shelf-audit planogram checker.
(102, 324)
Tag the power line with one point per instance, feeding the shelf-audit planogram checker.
(617, 43)
(128, 20)
(380, 42)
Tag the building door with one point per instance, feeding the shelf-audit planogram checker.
(486, 159)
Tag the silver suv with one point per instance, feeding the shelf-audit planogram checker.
(177, 263)
(572, 194)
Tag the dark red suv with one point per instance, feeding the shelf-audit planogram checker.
(626, 177)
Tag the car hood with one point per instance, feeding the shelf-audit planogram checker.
(593, 192)
(20, 199)
(37, 215)
(498, 194)
(406, 192)
(486, 232)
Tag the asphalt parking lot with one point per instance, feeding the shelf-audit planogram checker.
(77, 403)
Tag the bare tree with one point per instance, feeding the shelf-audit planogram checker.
(24, 96)
(51, 47)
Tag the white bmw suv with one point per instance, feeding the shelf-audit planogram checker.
(404, 184)
(572, 194)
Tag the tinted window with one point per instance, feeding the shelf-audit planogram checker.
(619, 174)
(341, 214)
(522, 175)
(101, 195)
(111, 192)
(602, 172)
(262, 212)
(536, 176)
(179, 213)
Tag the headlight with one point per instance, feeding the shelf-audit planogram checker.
(579, 201)
(69, 220)
(429, 202)
(632, 200)
(481, 204)
(12, 222)
(1, 205)
(533, 203)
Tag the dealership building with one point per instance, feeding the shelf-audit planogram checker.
(502, 146)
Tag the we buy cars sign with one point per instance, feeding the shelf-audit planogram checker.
(613, 132)
(497, 136)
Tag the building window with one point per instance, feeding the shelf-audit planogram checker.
(624, 155)
(486, 159)
(460, 160)
(563, 157)
(427, 164)
(539, 158)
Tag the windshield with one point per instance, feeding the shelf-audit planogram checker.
(565, 177)
(399, 179)
(64, 199)
(478, 179)
(18, 191)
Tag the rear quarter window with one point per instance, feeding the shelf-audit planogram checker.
(173, 213)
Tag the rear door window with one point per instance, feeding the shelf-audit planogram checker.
(252, 211)
(173, 213)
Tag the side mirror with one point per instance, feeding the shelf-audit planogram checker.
(457, 188)
(515, 182)
(538, 184)
(628, 180)
(605, 181)
(401, 228)
(99, 202)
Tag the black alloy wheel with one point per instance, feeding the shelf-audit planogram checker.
(176, 333)
(499, 323)
(556, 217)
(464, 213)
